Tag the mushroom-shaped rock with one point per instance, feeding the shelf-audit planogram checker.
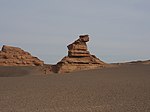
(79, 58)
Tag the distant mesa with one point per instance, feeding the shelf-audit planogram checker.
(79, 58)
(14, 56)
(146, 62)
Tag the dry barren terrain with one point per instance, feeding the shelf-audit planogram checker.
(120, 89)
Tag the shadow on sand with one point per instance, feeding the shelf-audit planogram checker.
(10, 71)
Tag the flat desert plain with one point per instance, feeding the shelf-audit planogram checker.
(120, 89)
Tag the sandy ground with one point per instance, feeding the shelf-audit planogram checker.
(123, 89)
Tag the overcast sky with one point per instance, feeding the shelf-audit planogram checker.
(119, 30)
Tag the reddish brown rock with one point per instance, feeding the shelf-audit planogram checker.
(79, 58)
(14, 56)
(79, 47)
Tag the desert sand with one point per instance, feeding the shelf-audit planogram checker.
(119, 89)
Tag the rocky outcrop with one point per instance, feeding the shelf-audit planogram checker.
(79, 58)
(14, 56)
(79, 47)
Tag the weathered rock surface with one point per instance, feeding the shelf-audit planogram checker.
(14, 56)
(79, 47)
(79, 58)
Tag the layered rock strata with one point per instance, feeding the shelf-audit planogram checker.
(14, 56)
(79, 58)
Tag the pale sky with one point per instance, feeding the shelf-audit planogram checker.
(119, 30)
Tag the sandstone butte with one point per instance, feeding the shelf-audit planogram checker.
(79, 58)
(14, 56)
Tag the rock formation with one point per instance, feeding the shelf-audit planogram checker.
(13, 56)
(79, 58)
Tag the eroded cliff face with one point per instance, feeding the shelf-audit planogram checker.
(79, 58)
(14, 56)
